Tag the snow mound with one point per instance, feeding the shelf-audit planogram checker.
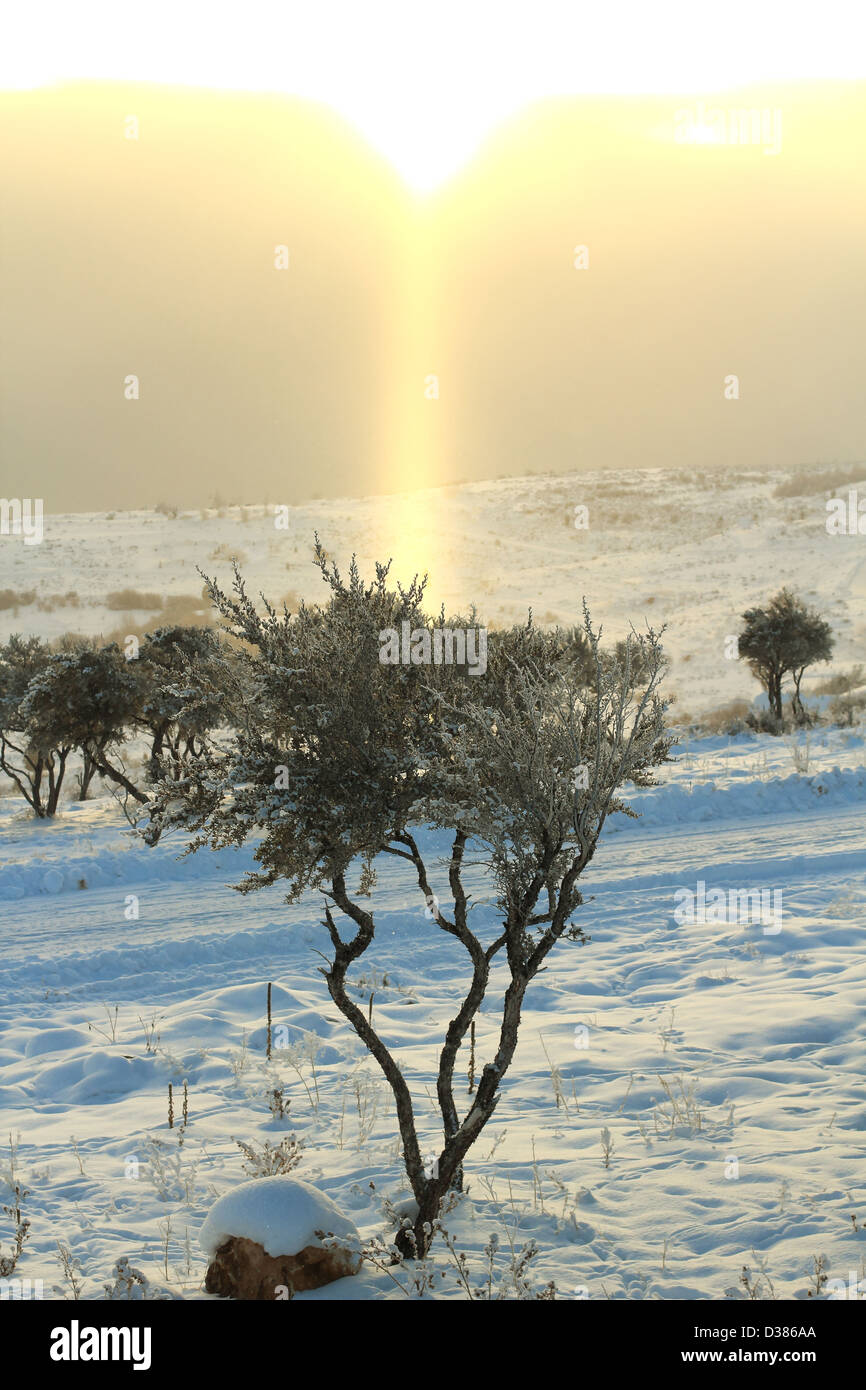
(103, 868)
(672, 803)
(281, 1214)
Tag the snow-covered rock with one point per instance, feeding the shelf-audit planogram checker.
(281, 1214)
(266, 1240)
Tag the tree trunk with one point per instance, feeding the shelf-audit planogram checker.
(115, 775)
(159, 734)
(796, 702)
(55, 781)
(481, 1110)
(88, 772)
(774, 693)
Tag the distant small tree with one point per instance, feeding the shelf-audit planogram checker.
(69, 642)
(176, 711)
(784, 639)
(35, 768)
(85, 699)
(334, 757)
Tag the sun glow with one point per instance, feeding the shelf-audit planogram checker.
(433, 176)
(426, 85)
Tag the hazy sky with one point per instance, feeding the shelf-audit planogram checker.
(437, 318)
(426, 83)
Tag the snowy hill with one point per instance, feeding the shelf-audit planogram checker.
(658, 546)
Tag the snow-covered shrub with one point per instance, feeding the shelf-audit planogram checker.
(35, 769)
(334, 757)
(270, 1159)
(129, 1283)
(22, 1230)
(800, 755)
(178, 705)
(84, 699)
(90, 698)
(505, 1274)
(172, 1179)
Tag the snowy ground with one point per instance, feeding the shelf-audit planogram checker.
(758, 1034)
